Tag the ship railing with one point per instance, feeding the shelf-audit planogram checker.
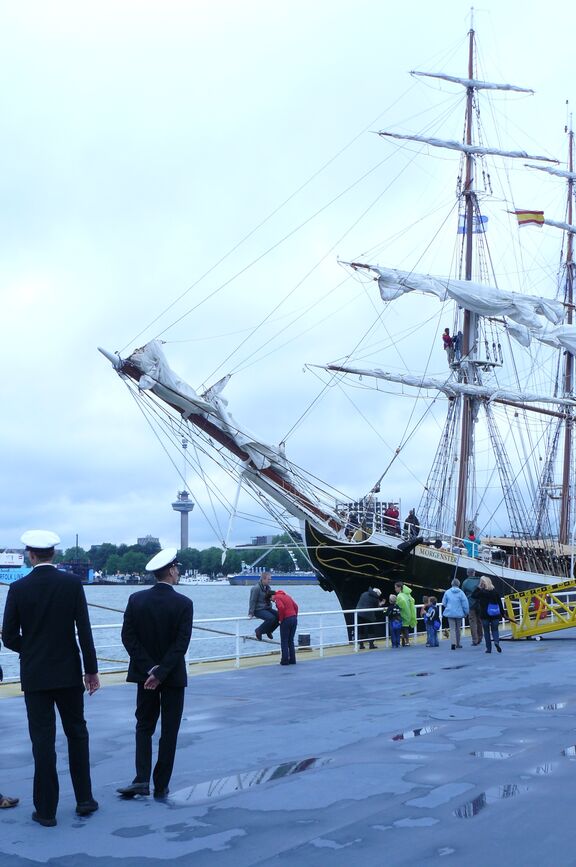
(230, 641)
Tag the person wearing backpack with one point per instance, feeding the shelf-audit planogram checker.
(432, 621)
(491, 612)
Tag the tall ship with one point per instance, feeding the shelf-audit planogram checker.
(470, 357)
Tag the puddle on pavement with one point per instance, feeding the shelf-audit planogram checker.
(491, 754)
(452, 667)
(415, 733)
(556, 706)
(423, 674)
(490, 796)
(424, 822)
(543, 770)
(240, 782)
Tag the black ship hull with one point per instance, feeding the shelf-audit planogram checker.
(349, 568)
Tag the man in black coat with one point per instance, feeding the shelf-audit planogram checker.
(367, 620)
(156, 633)
(42, 614)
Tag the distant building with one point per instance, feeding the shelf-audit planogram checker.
(262, 540)
(148, 540)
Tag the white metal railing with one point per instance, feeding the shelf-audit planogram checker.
(218, 639)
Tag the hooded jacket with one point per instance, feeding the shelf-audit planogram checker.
(286, 606)
(455, 603)
(407, 606)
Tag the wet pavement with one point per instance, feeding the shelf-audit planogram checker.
(356, 760)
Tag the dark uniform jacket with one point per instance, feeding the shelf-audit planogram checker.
(43, 611)
(156, 632)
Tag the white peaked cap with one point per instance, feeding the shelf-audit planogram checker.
(163, 558)
(40, 539)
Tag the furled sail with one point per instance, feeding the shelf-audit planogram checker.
(481, 299)
(566, 227)
(451, 387)
(475, 150)
(560, 173)
(473, 82)
(165, 383)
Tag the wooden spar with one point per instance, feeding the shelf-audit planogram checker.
(230, 445)
(567, 492)
(470, 319)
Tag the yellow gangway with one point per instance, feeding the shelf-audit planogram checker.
(540, 610)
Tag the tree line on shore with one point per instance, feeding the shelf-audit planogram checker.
(131, 559)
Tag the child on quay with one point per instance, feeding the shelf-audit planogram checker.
(432, 621)
(394, 615)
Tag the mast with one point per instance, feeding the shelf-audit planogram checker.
(470, 327)
(566, 496)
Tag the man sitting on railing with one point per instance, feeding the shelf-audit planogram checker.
(260, 606)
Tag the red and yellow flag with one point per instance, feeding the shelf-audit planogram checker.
(530, 218)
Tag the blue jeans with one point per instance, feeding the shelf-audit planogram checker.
(431, 635)
(287, 633)
(490, 627)
(269, 618)
(395, 631)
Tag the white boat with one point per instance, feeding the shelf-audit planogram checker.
(497, 408)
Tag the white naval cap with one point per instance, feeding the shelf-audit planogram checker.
(40, 539)
(163, 558)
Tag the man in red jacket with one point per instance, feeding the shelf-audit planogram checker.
(288, 617)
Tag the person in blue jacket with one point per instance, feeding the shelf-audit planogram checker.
(455, 608)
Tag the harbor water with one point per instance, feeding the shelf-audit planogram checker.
(107, 604)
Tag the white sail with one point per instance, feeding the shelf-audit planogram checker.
(475, 150)
(485, 300)
(166, 384)
(560, 173)
(473, 82)
(450, 387)
(566, 227)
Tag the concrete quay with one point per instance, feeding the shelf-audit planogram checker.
(418, 756)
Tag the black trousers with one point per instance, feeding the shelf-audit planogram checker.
(166, 702)
(40, 706)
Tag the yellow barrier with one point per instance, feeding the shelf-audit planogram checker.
(541, 610)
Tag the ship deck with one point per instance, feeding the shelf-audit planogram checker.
(403, 757)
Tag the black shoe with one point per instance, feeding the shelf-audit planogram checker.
(372, 646)
(161, 794)
(134, 789)
(487, 651)
(284, 663)
(258, 635)
(46, 823)
(361, 646)
(270, 635)
(498, 648)
(84, 808)
(453, 647)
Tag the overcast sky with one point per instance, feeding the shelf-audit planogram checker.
(141, 141)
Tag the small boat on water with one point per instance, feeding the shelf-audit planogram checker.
(204, 580)
(12, 567)
(278, 579)
(493, 414)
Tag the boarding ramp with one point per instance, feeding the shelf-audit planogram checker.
(542, 609)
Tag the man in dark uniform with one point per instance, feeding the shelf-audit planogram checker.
(156, 633)
(43, 612)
